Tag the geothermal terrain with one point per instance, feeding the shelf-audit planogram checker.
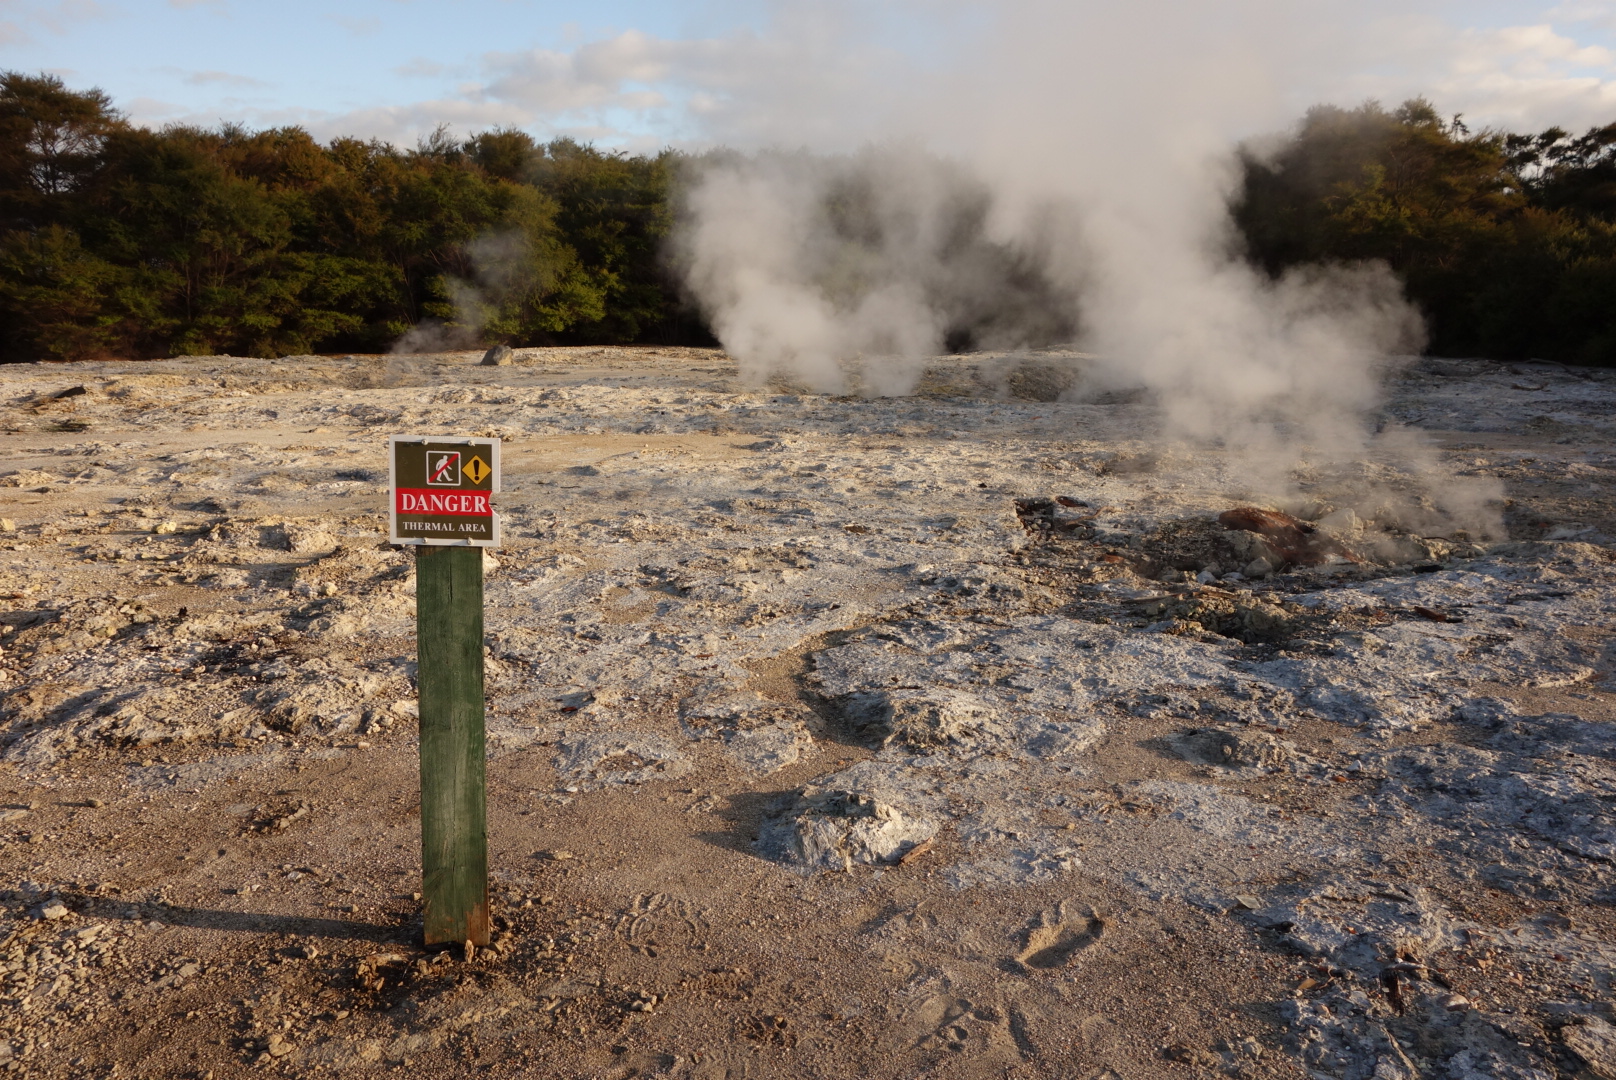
(975, 733)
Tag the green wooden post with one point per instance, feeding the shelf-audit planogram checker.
(454, 800)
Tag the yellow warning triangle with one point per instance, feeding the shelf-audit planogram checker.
(478, 470)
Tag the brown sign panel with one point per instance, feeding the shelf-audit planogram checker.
(441, 491)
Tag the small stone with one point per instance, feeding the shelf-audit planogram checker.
(498, 356)
(559, 855)
(278, 1046)
(167, 528)
(94, 804)
(7, 525)
(1258, 568)
(54, 912)
(1206, 577)
(1454, 1002)
(1190, 1055)
(1249, 903)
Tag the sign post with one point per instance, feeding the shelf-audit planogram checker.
(440, 504)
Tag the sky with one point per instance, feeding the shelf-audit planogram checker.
(638, 75)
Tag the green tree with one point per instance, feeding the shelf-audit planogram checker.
(1503, 240)
(51, 142)
(118, 240)
(59, 301)
(615, 212)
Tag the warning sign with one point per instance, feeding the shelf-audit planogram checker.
(441, 489)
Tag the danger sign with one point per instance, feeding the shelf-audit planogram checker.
(441, 490)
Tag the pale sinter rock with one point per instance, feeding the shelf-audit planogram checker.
(923, 719)
(835, 829)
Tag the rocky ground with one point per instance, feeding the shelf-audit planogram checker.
(966, 734)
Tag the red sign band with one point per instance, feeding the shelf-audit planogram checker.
(427, 501)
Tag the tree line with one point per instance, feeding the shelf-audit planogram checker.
(118, 240)
(1507, 242)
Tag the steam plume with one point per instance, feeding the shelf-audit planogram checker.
(812, 266)
(502, 267)
(1098, 142)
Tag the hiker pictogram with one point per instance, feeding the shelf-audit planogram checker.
(443, 468)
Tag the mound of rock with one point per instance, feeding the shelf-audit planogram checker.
(1231, 747)
(923, 720)
(619, 757)
(1242, 616)
(760, 734)
(1286, 541)
(833, 829)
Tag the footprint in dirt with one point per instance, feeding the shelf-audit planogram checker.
(960, 1026)
(1056, 937)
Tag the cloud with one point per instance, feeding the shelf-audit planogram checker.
(1527, 76)
(818, 74)
(421, 68)
(357, 27)
(833, 74)
(1531, 76)
(222, 78)
(153, 112)
(403, 124)
(631, 90)
(804, 75)
(599, 74)
(55, 18)
(1597, 12)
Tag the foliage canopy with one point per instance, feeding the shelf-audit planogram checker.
(1507, 242)
(118, 240)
